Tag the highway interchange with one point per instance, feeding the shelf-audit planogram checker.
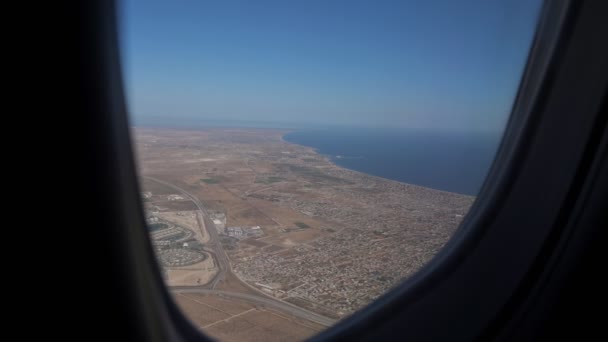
(214, 247)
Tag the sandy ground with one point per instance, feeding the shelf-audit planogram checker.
(197, 274)
(229, 320)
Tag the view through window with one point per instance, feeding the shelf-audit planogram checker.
(298, 159)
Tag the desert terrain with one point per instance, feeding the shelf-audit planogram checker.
(259, 237)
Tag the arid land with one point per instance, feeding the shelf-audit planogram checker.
(240, 218)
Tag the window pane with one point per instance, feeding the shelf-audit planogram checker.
(298, 159)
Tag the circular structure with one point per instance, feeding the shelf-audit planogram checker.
(174, 257)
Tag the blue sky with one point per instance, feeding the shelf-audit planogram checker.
(445, 65)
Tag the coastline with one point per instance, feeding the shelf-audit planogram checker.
(329, 159)
(281, 133)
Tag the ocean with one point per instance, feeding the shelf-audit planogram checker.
(454, 162)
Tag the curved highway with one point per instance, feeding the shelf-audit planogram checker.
(209, 226)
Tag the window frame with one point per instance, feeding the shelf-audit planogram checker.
(476, 284)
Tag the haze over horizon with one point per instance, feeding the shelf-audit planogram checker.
(438, 65)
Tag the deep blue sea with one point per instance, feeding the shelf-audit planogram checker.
(455, 162)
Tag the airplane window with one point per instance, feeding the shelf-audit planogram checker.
(299, 159)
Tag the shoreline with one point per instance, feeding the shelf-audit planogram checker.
(330, 160)
(281, 138)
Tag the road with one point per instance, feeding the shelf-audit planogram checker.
(209, 226)
(279, 305)
(224, 267)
